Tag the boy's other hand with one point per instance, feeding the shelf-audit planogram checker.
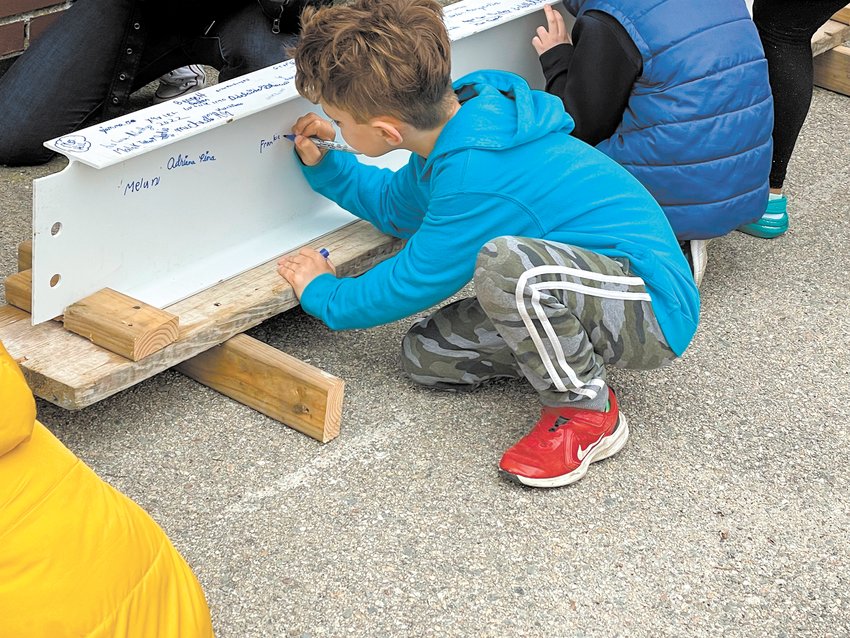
(301, 268)
(307, 126)
(553, 34)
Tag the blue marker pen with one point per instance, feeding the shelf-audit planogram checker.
(324, 252)
(328, 144)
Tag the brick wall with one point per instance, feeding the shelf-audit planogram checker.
(22, 21)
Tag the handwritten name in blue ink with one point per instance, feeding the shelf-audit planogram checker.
(192, 101)
(106, 128)
(264, 144)
(165, 119)
(184, 160)
(254, 89)
(206, 118)
(178, 162)
(139, 185)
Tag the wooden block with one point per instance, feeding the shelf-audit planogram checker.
(19, 290)
(72, 372)
(25, 255)
(843, 15)
(272, 382)
(829, 36)
(832, 70)
(121, 324)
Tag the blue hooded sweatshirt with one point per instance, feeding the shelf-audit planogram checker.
(505, 164)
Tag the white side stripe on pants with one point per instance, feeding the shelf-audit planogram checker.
(591, 388)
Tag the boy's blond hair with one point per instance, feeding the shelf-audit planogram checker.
(372, 58)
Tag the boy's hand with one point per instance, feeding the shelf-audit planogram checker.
(556, 34)
(311, 125)
(303, 267)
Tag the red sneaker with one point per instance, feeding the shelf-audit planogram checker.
(564, 443)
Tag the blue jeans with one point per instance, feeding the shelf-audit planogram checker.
(100, 51)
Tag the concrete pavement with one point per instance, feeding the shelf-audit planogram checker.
(726, 514)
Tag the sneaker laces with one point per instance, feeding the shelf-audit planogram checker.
(550, 428)
(547, 431)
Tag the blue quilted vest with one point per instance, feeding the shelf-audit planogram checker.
(697, 129)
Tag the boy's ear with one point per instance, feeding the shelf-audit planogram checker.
(389, 129)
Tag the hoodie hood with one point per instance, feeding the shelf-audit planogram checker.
(499, 111)
(17, 407)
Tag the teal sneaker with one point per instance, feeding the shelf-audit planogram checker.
(772, 224)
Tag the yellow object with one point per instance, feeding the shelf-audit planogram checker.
(77, 557)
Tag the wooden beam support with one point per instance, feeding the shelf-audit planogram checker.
(272, 382)
(73, 373)
(18, 288)
(121, 324)
(25, 255)
(832, 70)
(843, 15)
(829, 36)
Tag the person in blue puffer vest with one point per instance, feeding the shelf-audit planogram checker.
(677, 92)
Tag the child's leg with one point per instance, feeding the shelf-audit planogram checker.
(61, 82)
(247, 42)
(456, 348)
(566, 312)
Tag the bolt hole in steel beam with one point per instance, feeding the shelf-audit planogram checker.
(169, 200)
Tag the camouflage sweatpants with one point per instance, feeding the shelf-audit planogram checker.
(551, 313)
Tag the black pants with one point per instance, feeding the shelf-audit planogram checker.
(85, 67)
(786, 28)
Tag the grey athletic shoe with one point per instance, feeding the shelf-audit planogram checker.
(180, 82)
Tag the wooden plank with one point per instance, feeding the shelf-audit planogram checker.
(18, 290)
(25, 255)
(829, 36)
(272, 382)
(843, 15)
(832, 70)
(10, 315)
(72, 372)
(121, 324)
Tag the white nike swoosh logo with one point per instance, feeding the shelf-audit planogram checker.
(582, 453)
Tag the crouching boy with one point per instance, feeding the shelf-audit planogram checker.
(574, 264)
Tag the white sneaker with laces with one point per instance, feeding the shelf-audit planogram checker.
(180, 82)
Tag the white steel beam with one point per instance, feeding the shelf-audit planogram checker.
(169, 200)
